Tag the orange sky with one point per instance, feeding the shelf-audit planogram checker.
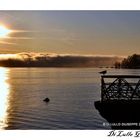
(72, 32)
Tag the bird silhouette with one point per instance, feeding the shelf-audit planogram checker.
(103, 72)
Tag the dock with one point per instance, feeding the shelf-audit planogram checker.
(120, 100)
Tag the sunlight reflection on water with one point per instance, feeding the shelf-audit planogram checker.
(72, 94)
(4, 92)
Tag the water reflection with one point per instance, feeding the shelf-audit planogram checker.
(4, 92)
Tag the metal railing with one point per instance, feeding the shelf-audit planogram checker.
(121, 87)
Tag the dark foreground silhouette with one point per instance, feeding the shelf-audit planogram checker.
(120, 114)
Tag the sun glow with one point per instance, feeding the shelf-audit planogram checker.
(4, 31)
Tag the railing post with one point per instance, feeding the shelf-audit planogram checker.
(119, 87)
(102, 86)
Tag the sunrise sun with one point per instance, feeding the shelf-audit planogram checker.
(4, 31)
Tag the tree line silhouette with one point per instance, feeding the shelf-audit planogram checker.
(59, 61)
(131, 62)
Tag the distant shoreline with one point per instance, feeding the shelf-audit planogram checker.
(62, 67)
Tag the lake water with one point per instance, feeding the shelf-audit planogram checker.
(72, 92)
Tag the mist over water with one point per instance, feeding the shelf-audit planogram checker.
(57, 60)
(72, 92)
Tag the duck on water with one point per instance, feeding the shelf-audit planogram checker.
(46, 100)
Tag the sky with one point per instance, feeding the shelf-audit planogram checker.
(72, 32)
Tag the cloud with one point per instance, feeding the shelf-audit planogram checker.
(25, 59)
(9, 43)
